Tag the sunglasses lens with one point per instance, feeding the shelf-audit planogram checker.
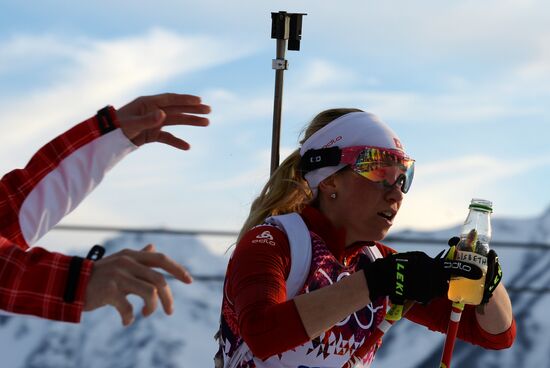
(385, 167)
(409, 175)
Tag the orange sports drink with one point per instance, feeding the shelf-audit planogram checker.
(465, 290)
(473, 248)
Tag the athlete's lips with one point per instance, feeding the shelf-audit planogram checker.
(388, 214)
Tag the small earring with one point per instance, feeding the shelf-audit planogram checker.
(333, 196)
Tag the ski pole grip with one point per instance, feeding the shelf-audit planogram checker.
(395, 313)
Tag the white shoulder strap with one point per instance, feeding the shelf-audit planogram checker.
(300, 250)
(373, 253)
(300, 262)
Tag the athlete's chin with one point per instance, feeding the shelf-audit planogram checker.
(377, 235)
(381, 236)
(381, 233)
(372, 230)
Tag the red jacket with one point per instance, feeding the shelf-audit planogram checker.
(34, 199)
(269, 324)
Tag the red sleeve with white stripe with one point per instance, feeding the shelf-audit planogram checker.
(56, 179)
(36, 198)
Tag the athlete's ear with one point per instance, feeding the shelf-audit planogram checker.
(328, 186)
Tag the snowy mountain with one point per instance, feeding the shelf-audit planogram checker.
(185, 339)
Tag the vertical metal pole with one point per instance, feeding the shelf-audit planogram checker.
(286, 28)
(278, 104)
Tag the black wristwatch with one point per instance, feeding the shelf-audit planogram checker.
(73, 276)
(106, 119)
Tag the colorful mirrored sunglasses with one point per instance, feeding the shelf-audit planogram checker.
(379, 165)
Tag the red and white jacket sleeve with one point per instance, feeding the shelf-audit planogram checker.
(256, 286)
(34, 199)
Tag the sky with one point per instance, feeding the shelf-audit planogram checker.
(465, 84)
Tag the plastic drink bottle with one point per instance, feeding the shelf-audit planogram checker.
(473, 248)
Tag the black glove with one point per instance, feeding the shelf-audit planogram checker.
(414, 276)
(494, 272)
(494, 275)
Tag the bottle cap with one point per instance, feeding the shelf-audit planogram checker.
(481, 204)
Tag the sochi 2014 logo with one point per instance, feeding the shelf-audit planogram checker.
(369, 313)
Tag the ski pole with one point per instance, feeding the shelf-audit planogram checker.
(284, 27)
(452, 329)
(395, 313)
(457, 306)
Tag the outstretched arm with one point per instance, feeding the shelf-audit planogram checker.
(36, 282)
(63, 172)
(56, 179)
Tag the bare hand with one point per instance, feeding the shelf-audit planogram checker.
(130, 272)
(142, 120)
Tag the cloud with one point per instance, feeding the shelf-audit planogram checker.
(97, 72)
(447, 107)
(442, 190)
(24, 50)
(432, 30)
(322, 73)
(233, 108)
(535, 73)
(255, 177)
(444, 44)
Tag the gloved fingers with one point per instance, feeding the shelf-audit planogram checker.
(496, 278)
(441, 254)
(493, 277)
(423, 277)
(462, 269)
(397, 300)
(450, 253)
(453, 241)
(492, 259)
(494, 271)
(415, 276)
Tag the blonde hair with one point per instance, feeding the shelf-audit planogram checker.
(286, 190)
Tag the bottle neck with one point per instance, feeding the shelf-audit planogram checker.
(479, 221)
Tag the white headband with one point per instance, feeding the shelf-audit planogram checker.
(352, 129)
